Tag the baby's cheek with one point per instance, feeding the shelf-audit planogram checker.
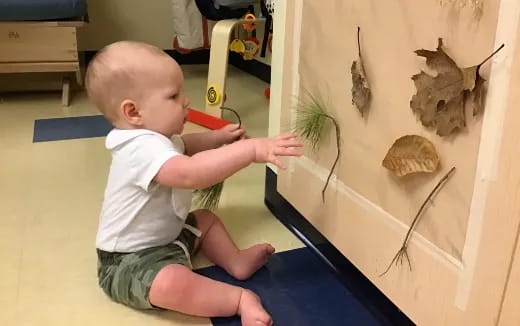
(186, 102)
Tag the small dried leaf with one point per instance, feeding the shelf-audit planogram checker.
(360, 87)
(411, 154)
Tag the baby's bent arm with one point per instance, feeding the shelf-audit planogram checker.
(204, 141)
(206, 168)
(200, 141)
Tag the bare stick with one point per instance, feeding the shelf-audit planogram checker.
(490, 56)
(338, 144)
(358, 43)
(403, 250)
(235, 113)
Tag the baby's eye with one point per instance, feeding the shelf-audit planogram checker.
(173, 96)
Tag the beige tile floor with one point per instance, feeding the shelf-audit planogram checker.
(50, 196)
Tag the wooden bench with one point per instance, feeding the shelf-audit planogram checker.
(27, 47)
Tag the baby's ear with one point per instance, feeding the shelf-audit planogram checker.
(130, 112)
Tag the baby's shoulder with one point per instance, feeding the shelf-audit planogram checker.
(118, 138)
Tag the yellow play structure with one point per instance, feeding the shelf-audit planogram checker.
(218, 62)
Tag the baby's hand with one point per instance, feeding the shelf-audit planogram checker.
(229, 134)
(268, 149)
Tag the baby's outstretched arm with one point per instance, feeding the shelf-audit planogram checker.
(209, 167)
(202, 141)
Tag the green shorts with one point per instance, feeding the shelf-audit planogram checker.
(127, 277)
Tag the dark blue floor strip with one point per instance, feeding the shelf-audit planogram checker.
(70, 128)
(297, 288)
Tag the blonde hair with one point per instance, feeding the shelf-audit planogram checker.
(111, 75)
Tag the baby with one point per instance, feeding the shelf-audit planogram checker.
(146, 232)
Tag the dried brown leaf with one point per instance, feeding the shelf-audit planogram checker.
(360, 87)
(440, 100)
(450, 116)
(469, 76)
(438, 96)
(476, 96)
(411, 154)
(423, 103)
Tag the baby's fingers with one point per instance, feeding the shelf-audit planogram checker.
(287, 136)
(238, 132)
(232, 127)
(277, 162)
(290, 143)
(282, 151)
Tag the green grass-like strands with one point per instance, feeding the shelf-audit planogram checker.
(209, 198)
(311, 120)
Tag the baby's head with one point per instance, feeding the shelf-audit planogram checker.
(138, 86)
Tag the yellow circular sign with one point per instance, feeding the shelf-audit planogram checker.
(212, 95)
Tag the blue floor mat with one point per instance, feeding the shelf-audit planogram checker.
(299, 289)
(70, 128)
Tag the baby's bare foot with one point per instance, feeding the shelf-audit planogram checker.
(251, 311)
(248, 261)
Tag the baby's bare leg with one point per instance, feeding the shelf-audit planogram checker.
(218, 246)
(178, 288)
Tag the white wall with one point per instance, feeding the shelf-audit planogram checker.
(114, 20)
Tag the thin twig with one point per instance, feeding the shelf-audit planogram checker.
(403, 250)
(490, 56)
(338, 147)
(358, 43)
(235, 113)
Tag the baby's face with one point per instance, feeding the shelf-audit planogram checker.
(163, 106)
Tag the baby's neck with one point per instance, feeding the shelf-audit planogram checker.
(124, 125)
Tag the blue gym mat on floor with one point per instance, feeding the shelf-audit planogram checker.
(299, 289)
(70, 128)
